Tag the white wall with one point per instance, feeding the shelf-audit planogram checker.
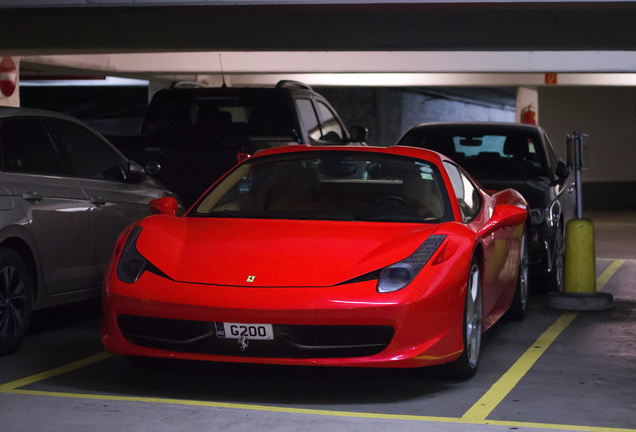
(388, 112)
(608, 116)
(417, 108)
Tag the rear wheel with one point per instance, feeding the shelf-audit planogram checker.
(466, 364)
(16, 300)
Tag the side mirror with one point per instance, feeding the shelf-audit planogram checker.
(135, 172)
(359, 134)
(562, 171)
(166, 205)
(503, 216)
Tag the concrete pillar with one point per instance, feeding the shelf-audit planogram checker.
(527, 97)
(14, 98)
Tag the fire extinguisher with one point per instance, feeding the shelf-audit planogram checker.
(528, 115)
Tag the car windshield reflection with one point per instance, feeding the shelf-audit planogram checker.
(488, 155)
(337, 185)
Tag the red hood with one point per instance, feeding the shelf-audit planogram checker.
(274, 252)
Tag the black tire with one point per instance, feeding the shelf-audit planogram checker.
(466, 364)
(16, 301)
(517, 310)
(555, 277)
(553, 280)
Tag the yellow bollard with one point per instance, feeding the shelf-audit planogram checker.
(580, 257)
(579, 284)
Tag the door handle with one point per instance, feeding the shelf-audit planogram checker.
(98, 200)
(31, 196)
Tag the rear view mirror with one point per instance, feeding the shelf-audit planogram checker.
(337, 169)
(166, 205)
(471, 142)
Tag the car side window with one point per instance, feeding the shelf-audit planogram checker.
(553, 158)
(308, 118)
(467, 195)
(27, 148)
(331, 128)
(87, 154)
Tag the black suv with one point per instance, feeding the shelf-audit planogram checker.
(191, 136)
(518, 156)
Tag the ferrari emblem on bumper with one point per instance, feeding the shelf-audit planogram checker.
(243, 343)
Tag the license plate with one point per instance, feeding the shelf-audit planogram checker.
(249, 331)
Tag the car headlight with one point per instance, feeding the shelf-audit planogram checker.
(131, 263)
(398, 275)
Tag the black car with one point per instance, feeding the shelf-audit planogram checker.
(191, 136)
(518, 156)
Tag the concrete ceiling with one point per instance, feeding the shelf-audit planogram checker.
(443, 43)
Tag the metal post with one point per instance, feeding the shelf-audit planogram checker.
(579, 284)
(574, 142)
(578, 157)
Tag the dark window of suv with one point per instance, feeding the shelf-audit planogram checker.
(88, 156)
(27, 148)
(308, 118)
(331, 128)
(218, 112)
(322, 125)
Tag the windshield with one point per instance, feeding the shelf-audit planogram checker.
(219, 112)
(335, 185)
(486, 154)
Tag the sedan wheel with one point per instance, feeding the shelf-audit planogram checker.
(556, 278)
(466, 365)
(16, 301)
(553, 280)
(517, 309)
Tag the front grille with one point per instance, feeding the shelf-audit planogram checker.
(290, 341)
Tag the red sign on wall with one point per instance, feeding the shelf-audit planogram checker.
(8, 76)
(550, 78)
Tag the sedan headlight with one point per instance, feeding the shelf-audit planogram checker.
(398, 275)
(131, 263)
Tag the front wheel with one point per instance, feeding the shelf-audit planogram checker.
(553, 280)
(466, 364)
(16, 301)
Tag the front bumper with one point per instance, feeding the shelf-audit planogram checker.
(346, 325)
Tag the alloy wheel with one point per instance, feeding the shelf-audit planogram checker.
(473, 316)
(13, 301)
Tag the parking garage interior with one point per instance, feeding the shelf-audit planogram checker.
(388, 66)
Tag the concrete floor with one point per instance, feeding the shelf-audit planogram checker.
(557, 370)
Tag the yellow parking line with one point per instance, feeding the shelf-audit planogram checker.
(346, 414)
(602, 280)
(489, 401)
(476, 415)
(509, 380)
(8, 387)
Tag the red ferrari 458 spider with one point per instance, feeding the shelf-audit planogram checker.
(343, 256)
